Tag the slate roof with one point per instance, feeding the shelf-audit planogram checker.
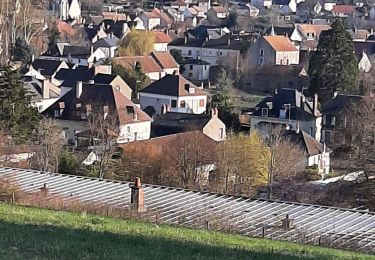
(281, 30)
(281, 2)
(286, 96)
(76, 51)
(47, 67)
(105, 79)
(173, 85)
(367, 46)
(174, 122)
(107, 42)
(307, 142)
(81, 73)
(224, 42)
(341, 101)
(195, 61)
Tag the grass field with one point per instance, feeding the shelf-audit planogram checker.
(28, 233)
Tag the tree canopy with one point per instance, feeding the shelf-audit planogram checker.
(53, 37)
(137, 43)
(16, 115)
(333, 66)
(21, 51)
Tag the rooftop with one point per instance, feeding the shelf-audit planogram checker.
(280, 43)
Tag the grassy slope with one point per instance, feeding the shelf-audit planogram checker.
(28, 233)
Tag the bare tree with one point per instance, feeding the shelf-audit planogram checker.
(103, 125)
(48, 146)
(191, 154)
(285, 158)
(356, 132)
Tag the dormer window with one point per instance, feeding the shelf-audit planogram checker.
(56, 113)
(265, 112)
(78, 106)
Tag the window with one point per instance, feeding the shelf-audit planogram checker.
(190, 75)
(83, 115)
(128, 129)
(312, 131)
(264, 111)
(261, 61)
(191, 67)
(56, 113)
(201, 102)
(173, 103)
(183, 104)
(261, 53)
(135, 136)
(287, 61)
(78, 106)
(189, 52)
(221, 53)
(221, 133)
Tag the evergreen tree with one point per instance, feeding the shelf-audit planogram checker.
(333, 66)
(21, 51)
(53, 37)
(16, 115)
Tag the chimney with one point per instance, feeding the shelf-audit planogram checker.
(79, 89)
(44, 189)
(91, 49)
(45, 89)
(315, 105)
(185, 40)
(286, 222)
(135, 116)
(137, 196)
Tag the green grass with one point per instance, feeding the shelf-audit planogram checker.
(29, 233)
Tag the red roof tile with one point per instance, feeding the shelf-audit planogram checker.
(345, 9)
(147, 63)
(280, 43)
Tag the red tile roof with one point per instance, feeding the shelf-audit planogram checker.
(162, 37)
(220, 9)
(345, 9)
(65, 28)
(280, 43)
(313, 28)
(147, 63)
(126, 109)
(165, 60)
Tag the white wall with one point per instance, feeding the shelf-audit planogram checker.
(160, 46)
(287, 57)
(128, 132)
(199, 72)
(192, 103)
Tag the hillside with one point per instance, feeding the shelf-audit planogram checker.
(28, 233)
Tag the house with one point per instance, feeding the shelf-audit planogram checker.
(70, 9)
(285, 6)
(194, 12)
(316, 154)
(155, 66)
(253, 11)
(332, 119)
(42, 69)
(108, 45)
(161, 41)
(179, 5)
(175, 122)
(43, 92)
(78, 55)
(273, 50)
(73, 109)
(166, 61)
(308, 32)
(261, 4)
(155, 18)
(289, 108)
(343, 10)
(364, 63)
(196, 69)
(175, 93)
(218, 12)
(205, 5)
(360, 35)
(224, 50)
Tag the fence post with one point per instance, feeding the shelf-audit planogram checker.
(263, 231)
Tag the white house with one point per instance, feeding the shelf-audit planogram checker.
(134, 124)
(365, 63)
(173, 92)
(288, 108)
(161, 41)
(70, 9)
(151, 19)
(196, 70)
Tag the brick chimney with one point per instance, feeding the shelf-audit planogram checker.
(137, 196)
